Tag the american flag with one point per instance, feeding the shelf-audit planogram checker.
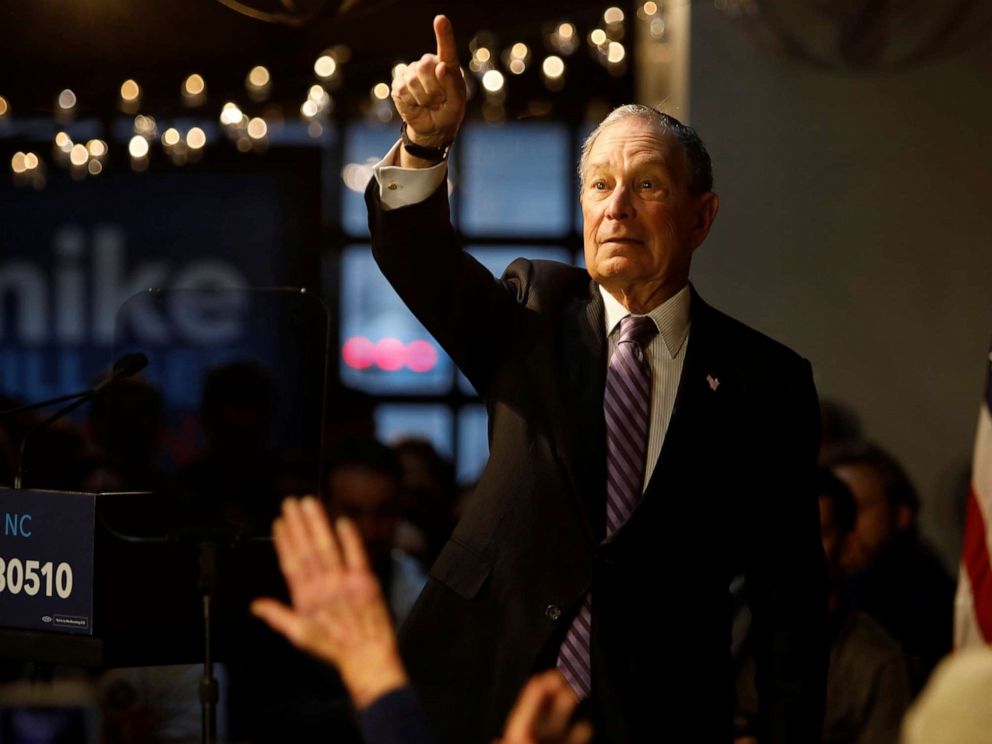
(973, 605)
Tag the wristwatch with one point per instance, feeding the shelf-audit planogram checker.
(430, 154)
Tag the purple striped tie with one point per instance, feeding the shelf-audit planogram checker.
(627, 407)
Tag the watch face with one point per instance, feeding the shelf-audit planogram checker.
(426, 153)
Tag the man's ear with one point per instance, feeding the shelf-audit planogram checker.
(706, 207)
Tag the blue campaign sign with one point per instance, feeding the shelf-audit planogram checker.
(46, 560)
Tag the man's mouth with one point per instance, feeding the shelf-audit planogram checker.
(623, 240)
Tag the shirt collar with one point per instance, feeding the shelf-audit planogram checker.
(671, 317)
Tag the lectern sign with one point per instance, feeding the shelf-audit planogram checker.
(46, 560)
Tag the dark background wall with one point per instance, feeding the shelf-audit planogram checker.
(855, 226)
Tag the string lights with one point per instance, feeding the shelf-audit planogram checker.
(491, 71)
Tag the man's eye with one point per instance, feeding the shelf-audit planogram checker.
(599, 185)
(647, 183)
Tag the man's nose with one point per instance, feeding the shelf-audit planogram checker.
(619, 207)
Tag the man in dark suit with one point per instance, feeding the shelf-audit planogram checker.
(644, 449)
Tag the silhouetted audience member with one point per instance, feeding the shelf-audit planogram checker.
(954, 708)
(362, 483)
(233, 486)
(348, 414)
(57, 457)
(429, 493)
(127, 424)
(868, 683)
(895, 577)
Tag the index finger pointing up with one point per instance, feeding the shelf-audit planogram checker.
(447, 50)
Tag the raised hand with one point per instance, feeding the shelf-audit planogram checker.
(543, 714)
(430, 93)
(337, 613)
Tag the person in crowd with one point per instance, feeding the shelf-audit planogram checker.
(338, 614)
(868, 683)
(363, 483)
(895, 576)
(429, 494)
(348, 414)
(632, 427)
(233, 485)
(127, 424)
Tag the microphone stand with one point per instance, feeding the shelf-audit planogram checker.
(209, 543)
(44, 403)
(207, 560)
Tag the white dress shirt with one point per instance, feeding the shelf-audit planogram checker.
(401, 187)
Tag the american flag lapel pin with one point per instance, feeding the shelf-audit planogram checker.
(714, 383)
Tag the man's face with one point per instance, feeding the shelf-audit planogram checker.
(369, 499)
(641, 222)
(835, 541)
(876, 523)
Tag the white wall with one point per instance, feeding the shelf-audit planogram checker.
(856, 226)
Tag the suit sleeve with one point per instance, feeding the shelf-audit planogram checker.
(477, 319)
(396, 718)
(786, 578)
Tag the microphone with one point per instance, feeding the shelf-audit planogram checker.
(127, 365)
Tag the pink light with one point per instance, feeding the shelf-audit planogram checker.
(421, 356)
(390, 354)
(358, 352)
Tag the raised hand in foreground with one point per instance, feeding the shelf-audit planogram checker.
(337, 613)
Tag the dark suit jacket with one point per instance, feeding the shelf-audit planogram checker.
(731, 493)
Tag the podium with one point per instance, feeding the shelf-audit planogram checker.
(79, 591)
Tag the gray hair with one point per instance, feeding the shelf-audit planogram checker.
(699, 170)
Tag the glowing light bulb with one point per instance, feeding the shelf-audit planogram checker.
(196, 138)
(230, 114)
(257, 128)
(615, 53)
(493, 81)
(325, 66)
(194, 85)
(130, 91)
(612, 16)
(67, 100)
(258, 77)
(553, 67)
(78, 155)
(138, 146)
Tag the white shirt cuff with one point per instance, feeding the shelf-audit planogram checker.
(401, 187)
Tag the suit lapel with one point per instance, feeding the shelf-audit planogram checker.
(698, 400)
(579, 429)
